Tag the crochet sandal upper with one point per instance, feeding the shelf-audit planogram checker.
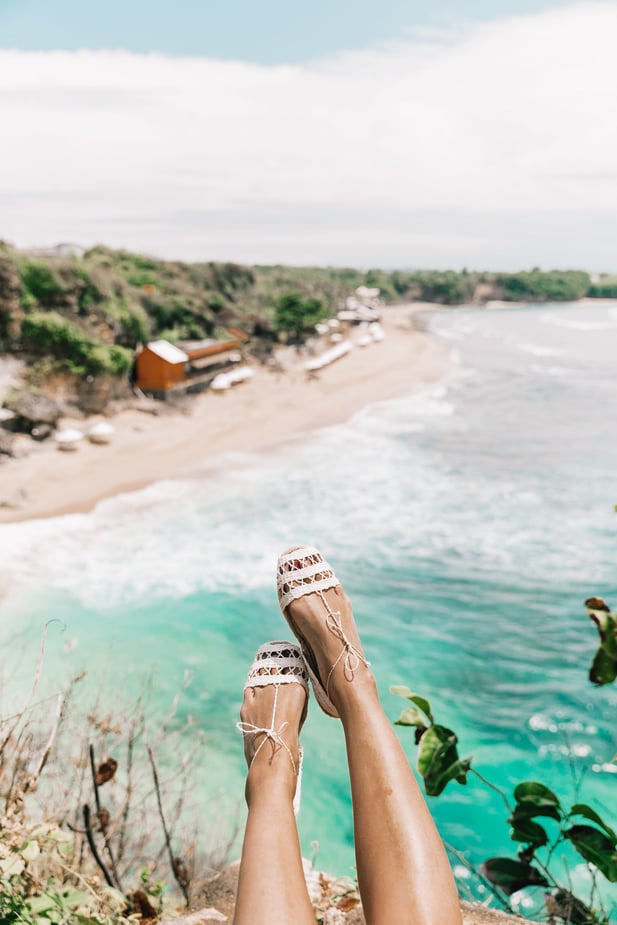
(277, 663)
(302, 570)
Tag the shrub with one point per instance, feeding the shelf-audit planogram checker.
(129, 319)
(49, 332)
(540, 824)
(40, 280)
(90, 293)
(553, 286)
(297, 316)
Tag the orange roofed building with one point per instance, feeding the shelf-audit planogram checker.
(160, 366)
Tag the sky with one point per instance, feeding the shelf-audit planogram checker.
(392, 134)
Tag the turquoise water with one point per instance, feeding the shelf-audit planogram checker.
(468, 522)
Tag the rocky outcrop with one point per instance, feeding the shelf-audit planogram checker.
(335, 901)
(35, 414)
(95, 393)
(6, 442)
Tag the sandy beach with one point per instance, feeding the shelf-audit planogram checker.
(274, 406)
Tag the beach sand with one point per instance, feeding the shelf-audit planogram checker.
(272, 407)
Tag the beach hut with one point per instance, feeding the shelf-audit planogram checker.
(160, 366)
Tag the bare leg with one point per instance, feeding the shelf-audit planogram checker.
(403, 872)
(272, 887)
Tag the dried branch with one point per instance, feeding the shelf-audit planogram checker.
(33, 779)
(129, 793)
(93, 848)
(174, 862)
(102, 821)
(35, 683)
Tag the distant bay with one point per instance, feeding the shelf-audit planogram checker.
(468, 522)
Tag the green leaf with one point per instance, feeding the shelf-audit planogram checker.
(525, 830)
(438, 760)
(458, 770)
(596, 848)
(40, 904)
(529, 811)
(402, 691)
(536, 794)
(75, 898)
(424, 705)
(603, 668)
(411, 717)
(511, 876)
(30, 851)
(581, 809)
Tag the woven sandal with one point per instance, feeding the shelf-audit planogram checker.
(302, 570)
(275, 664)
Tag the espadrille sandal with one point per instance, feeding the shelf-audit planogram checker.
(302, 570)
(275, 664)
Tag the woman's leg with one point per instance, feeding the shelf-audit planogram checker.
(403, 872)
(272, 888)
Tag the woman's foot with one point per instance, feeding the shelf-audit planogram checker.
(273, 711)
(320, 614)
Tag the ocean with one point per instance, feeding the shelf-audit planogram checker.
(468, 522)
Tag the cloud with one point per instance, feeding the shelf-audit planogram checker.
(449, 148)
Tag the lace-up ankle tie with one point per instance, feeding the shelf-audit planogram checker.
(270, 733)
(350, 655)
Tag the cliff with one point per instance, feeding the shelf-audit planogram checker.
(333, 901)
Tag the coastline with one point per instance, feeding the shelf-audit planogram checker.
(275, 406)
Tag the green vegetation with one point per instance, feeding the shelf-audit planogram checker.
(604, 666)
(544, 844)
(297, 316)
(551, 837)
(537, 286)
(105, 303)
(604, 288)
(97, 810)
(40, 281)
(49, 332)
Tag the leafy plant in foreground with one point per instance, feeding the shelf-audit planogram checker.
(537, 820)
(604, 666)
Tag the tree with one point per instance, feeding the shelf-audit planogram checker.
(297, 316)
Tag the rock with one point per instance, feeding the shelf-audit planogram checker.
(6, 442)
(95, 393)
(197, 918)
(41, 432)
(33, 411)
(220, 891)
(478, 914)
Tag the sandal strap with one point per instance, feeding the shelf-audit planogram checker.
(314, 574)
(350, 655)
(270, 733)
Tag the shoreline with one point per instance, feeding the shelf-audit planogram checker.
(275, 406)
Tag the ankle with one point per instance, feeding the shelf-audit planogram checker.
(350, 694)
(270, 784)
